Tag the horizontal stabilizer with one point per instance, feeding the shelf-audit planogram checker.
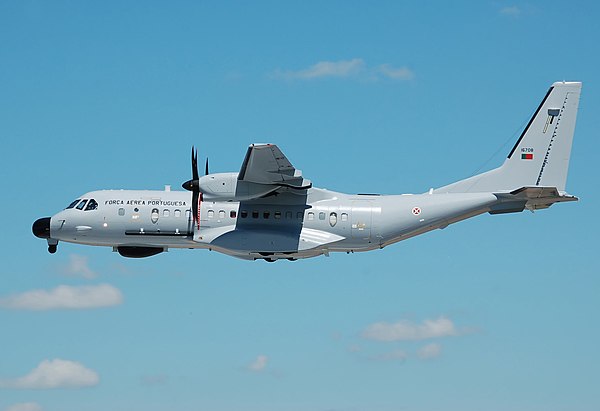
(531, 198)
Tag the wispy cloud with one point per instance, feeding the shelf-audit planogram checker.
(78, 266)
(354, 68)
(55, 373)
(429, 351)
(354, 348)
(396, 73)
(511, 11)
(404, 330)
(157, 379)
(25, 406)
(342, 68)
(395, 355)
(259, 364)
(64, 297)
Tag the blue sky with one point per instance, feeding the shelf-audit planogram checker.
(495, 313)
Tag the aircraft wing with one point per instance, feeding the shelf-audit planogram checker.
(266, 164)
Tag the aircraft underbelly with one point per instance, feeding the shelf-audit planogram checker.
(274, 241)
(263, 241)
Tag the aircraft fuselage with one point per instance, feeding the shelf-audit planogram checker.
(155, 221)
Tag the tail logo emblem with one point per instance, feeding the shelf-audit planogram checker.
(552, 112)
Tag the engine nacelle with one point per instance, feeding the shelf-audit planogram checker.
(218, 186)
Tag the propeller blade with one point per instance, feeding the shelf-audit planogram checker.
(195, 175)
(206, 167)
(193, 185)
(195, 196)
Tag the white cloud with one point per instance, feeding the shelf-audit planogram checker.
(55, 373)
(429, 351)
(259, 364)
(342, 68)
(396, 73)
(78, 267)
(64, 297)
(512, 11)
(355, 68)
(25, 406)
(396, 355)
(405, 330)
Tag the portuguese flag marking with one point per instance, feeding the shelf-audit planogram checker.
(527, 156)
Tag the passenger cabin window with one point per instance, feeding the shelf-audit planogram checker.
(255, 214)
(277, 215)
(73, 204)
(266, 215)
(166, 213)
(332, 219)
(344, 217)
(232, 214)
(177, 213)
(299, 215)
(211, 213)
(82, 204)
(92, 205)
(288, 215)
(222, 214)
(311, 216)
(243, 214)
(321, 215)
(121, 211)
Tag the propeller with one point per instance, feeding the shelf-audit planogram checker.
(193, 185)
(206, 167)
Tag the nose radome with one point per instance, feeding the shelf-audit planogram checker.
(41, 227)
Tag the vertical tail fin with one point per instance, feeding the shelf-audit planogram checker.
(541, 155)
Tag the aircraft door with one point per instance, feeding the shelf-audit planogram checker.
(361, 217)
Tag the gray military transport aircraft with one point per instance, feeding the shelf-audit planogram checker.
(269, 211)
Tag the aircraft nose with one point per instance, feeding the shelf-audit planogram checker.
(41, 228)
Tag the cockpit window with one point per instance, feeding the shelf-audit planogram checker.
(92, 205)
(73, 203)
(82, 204)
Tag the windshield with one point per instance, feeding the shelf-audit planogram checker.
(82, 204)
(73, 204)
(92, 205)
